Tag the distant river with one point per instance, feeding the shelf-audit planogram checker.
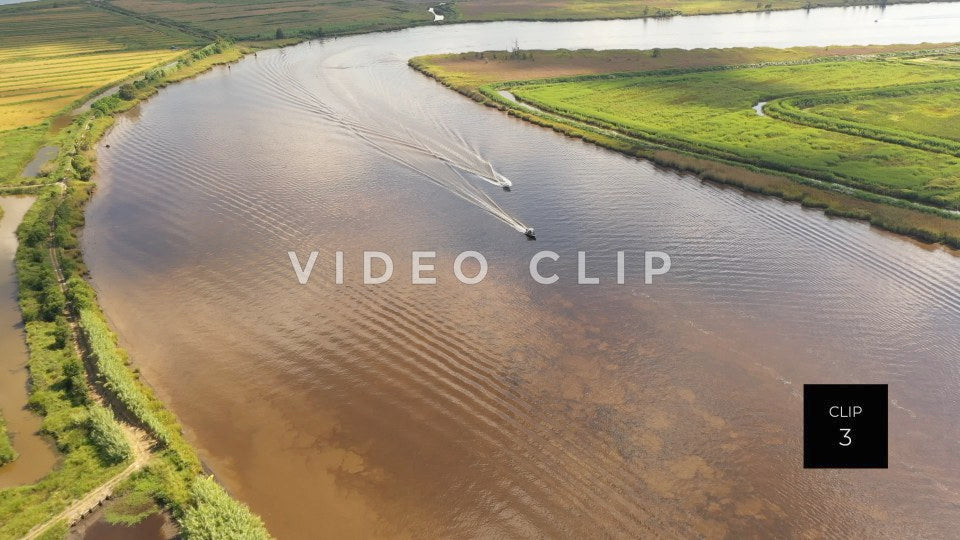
(508, 408)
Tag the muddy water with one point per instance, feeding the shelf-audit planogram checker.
(44, 155)
(96, 527)
(510, 408)
(37, 455)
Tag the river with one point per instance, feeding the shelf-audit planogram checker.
(510, 408)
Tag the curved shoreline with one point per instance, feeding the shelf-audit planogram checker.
(163, 190)
(478, 22)
(925, 223)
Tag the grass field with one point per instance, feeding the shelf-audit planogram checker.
(935, 113)
(52, 54)
(711, 112)
(690, 108)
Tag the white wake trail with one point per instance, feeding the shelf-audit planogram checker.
(446, 162)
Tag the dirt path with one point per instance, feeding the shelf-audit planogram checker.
(25, 186)
(141, 443)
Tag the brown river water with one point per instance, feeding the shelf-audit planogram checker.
(510, 408)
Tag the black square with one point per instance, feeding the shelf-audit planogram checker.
(845, 426)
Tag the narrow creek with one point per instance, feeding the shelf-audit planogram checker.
(37, 454)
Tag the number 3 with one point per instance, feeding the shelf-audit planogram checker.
(846, 435)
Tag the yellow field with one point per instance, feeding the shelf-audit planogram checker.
(259, 19)
(54, 54)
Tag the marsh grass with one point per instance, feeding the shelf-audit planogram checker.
(701, 120)
(7, 453)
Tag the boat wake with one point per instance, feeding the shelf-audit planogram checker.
(448, 161)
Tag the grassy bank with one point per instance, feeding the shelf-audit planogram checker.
(693, 110)
(58, 390)
(85, 432)
(7, 453)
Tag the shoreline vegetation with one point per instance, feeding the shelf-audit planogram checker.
(897, 180)
(7, 452)
(143, 46)
(67, 375)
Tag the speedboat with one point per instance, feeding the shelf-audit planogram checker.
(530, 233)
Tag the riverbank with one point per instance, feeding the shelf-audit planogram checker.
(567, 91)
(573, 10)
(66, 372)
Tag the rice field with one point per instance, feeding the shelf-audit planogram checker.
(54, 54)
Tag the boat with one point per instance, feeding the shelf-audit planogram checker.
(530, 233)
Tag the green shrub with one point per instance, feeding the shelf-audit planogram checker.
(107, 435)
(127, 92)
(7, 453)
(75, 381)
(61, 333)
(80, 295)
(117, 377)
(213, 515)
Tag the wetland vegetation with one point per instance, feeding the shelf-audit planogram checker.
(7, 453)
(685, 107)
